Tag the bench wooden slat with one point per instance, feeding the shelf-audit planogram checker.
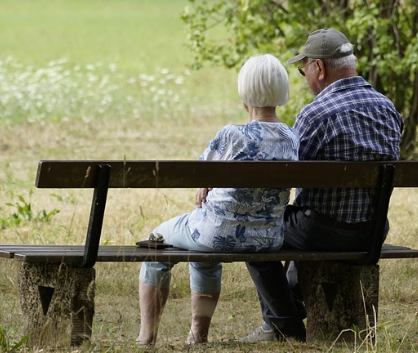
(133, 254)
(74, 254)
(5, 254)
(189, 174)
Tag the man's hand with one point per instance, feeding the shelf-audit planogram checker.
(201, 195)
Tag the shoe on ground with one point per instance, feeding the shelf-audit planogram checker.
(145, 347)
(259, 335)
(296, 332)
(191, 339)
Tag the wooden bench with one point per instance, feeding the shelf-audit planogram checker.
(57, 283)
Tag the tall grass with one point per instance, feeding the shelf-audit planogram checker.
(107, 79)
(59, 92)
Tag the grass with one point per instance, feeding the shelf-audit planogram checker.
(124, 32)
(109, 80)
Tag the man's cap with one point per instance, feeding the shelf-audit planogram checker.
(323, 44)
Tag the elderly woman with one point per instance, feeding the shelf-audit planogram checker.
(227, 219)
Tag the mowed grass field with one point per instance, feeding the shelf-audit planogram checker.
(107, 79)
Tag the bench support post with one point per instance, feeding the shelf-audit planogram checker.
(341, 299)
(98, 205)
(57, 302)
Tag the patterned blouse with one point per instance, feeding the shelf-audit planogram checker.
(244, 219)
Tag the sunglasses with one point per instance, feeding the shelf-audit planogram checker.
(301, 68)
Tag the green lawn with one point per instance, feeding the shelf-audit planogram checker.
(136, 35)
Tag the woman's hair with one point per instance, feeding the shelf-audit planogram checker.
(263, 82)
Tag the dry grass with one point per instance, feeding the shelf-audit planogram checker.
(132, 213)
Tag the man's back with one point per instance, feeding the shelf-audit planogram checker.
(348, 120)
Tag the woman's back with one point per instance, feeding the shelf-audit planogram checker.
(245, 219)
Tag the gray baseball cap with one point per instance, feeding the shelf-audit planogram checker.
(323, 44)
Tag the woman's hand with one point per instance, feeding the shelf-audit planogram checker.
(201, 195)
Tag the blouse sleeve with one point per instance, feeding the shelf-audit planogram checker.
(217, 148)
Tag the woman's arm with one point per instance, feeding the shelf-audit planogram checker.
(201, 196)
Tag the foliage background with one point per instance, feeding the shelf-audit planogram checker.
(385, 35)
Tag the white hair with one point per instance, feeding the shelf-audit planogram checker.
(346, 62)
(263, 82)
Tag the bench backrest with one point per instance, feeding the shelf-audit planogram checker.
(102, 175)
(182, 174)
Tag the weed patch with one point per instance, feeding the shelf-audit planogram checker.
(22, 213)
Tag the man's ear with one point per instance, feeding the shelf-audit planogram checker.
(322, 73)
(246, 107)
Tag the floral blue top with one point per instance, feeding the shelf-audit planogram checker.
(243, 219)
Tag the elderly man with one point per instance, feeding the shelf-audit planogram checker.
(347, 120)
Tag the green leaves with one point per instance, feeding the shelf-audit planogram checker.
(8, 343)
(384, 32)
(22, 213)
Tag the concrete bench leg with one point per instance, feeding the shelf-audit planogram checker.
(57, 302)
(339, 296)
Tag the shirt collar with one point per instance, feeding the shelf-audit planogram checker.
(343, 84)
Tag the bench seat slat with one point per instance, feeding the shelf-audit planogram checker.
(73, 255)
(5, 254)
(139, 255)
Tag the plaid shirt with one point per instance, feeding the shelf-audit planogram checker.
(348, 121)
